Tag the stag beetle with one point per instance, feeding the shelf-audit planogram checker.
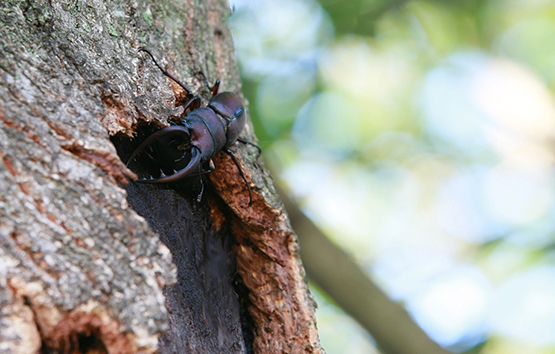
(202, 132)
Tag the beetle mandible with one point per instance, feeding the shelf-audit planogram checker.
(206, 130)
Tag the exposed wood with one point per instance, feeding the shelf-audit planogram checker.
(269, 264)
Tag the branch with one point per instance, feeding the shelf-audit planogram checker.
(336, 273)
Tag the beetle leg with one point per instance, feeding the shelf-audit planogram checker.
(246, 142)
(201, 171)
(214, 89)
(194, 103)
(189, 92)
(199, 197)
(230, 153)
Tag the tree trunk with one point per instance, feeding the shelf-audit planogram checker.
(82, 268)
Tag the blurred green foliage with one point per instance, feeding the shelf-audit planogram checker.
(419, 136)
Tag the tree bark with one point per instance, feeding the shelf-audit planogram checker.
(87, 266)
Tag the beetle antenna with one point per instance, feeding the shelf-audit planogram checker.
(189, 92)
(199, 198)
(214, 89)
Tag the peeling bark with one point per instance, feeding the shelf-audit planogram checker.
(85, 265)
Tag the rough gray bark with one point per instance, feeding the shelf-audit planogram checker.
(81, 270)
